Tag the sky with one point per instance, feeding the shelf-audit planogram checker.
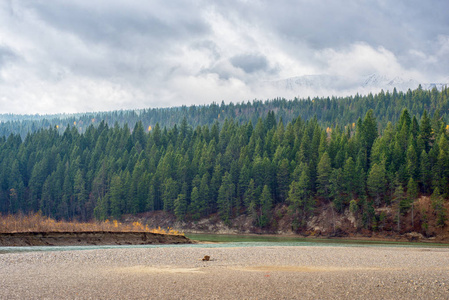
(63, 56)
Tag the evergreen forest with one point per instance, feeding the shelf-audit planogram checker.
(357, 152)
(386, 106)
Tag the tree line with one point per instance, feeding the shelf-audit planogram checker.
(387, 107)
(230, 168)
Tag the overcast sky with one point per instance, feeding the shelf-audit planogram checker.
(84, 55)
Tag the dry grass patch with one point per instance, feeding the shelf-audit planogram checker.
(38, 223)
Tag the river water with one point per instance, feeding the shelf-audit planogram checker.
(221, 240)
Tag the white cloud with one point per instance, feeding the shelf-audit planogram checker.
(361, 59)
(443, 42)
(102, 55)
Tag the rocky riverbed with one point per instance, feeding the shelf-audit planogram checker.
(271, 272)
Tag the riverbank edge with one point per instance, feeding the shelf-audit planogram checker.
(89, 238)
(406, 238)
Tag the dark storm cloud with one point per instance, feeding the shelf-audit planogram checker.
(396, 25)
(250, 63)
(6, 56)
(208, 46)
(116, 24)
(134, 38)
(331, 23)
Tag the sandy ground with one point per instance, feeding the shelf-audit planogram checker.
(233, 273)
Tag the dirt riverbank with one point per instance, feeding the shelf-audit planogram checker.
(88, 238)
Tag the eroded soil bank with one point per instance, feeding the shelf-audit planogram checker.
(89, 238)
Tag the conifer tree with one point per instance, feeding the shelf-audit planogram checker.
(116, 197)
(170, 193)
(283, 180)
(226, 197)
(376, 182)
(180, 206)
(205, 193)
(426, 130)
(299, 194)
(196, 205)
(412, 195)
(324, 171)
(349, 177)
(412, 162)
(399, 203)
(249, 199)
(266, 203)
(369, 131)
(80, 192)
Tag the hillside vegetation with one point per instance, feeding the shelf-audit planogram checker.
(234, 167)
(386, 106)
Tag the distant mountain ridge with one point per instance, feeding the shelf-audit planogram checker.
(334, 85)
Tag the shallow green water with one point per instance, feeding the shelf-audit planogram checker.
(299, 241)
(226, 241)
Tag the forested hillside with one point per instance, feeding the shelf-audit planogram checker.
(387, 107)
(237, 167)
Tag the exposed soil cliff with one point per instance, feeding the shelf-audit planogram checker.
(88, 238)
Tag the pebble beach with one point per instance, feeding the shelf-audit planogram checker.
(272, 272)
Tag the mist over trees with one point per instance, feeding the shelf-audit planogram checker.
(386, 106)
(237, 165)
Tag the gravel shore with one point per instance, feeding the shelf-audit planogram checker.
(271, 272)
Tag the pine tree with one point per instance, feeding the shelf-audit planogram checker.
(244, 178)
(349, 177)
(101, 210)
(150, 204)
(412, 162)
(170, 193)
(425, 170)
(324, 171)
(283, 180)
(215, 184)
(337, 188)
(369, 132)
(376, 182)
(79, 189)
(226, 195)
(265, 207)
(139, 137)
(299, 195)
(116, 194)
(399, 202)
(249, 198)
(180, 206)
(426, 131)
(412, 195)
(197, 206)
(360, 182)
(16, 188)
(205, 194)
(46, 201)
(442, 165)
